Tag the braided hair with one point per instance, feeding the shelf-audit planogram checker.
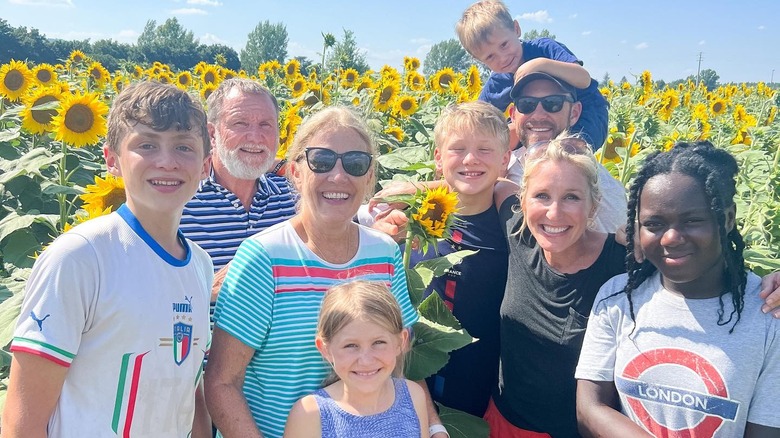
(715, 169)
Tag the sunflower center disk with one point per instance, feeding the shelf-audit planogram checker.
(13, 80)
(79, 118)
(44, 116)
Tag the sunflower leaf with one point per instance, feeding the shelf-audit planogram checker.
(10, 134)
(432, 344)
(462, 425)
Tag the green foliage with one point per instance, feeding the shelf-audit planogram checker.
(462, 425)
(265, 43)
(169, 43)
(447, 53)
(534, 34)
(345, 55)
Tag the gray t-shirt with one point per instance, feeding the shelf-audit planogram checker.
(677, 369)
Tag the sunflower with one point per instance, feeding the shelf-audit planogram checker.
(44, 74)
(349, 77)
(38, 121)
(771, 116)
(434, 214)
(77, 57)
(81, 120)
(388, 73)
(718, 106)
(118, 83)
(99, 74)
(411, 63)
(415, 81)
(137, 72)
(442, 80)
(365, 83)
(206, 91)
(15, 79)
(210, 75)
(474, 81)
(298, 86)
(396, 132)
(385, 95)
(405, 106)
(165, 77)
(292, 67)
(228, 73)
(184, 80)
(105, 195)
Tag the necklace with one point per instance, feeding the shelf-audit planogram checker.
(340, 251)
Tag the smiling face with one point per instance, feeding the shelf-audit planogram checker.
(502, 50)
(161, 169)
(246, 135)
(363, 354)
(471, 162)
(541, 125)
(334, 196)
(556, 204)
(678, 234)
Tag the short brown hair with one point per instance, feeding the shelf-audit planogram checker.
(158, 106)
(476, 116)
(479, 20)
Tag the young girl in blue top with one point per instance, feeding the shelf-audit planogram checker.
(361, 334)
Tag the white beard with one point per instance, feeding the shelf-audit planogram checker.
(238, 168)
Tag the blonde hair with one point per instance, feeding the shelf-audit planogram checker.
(557, 151)
(359, 300)
(476, 116)
(479, 20)
(331, 119)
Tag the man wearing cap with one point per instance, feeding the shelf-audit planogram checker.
(544, 106)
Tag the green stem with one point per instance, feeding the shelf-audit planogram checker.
(624, 172)
(408, 249)
(61, 197)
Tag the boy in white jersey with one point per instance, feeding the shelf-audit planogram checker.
(114, 323)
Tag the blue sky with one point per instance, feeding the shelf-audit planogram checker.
(739, 40)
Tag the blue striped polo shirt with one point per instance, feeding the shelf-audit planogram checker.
(216, 220)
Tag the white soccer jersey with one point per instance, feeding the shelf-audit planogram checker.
(129, 321)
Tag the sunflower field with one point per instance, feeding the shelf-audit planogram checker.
(53, 122)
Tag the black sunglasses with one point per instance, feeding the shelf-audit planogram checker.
(551, 104)
(322, 160)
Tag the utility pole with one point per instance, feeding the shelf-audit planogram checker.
(698, 69)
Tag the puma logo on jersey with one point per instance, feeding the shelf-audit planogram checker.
(39, 320)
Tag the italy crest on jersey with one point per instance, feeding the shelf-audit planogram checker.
(182, 341)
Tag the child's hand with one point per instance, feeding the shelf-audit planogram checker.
(395, 188)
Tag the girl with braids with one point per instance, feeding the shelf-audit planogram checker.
(678, 344)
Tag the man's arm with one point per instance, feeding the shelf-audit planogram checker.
(571, 72)
(33, 391)
(596, 413)
(433, 416)
(758, 431)
(201, 423)
(224, 381)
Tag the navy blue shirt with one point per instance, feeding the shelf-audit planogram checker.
(473, 290)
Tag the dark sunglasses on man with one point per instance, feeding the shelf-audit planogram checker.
(322, 160)
(551, 104)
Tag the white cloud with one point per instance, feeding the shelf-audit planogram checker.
(58, 3)
(702, 42)
(204, 2)
(641, 46)
(761, 27)
(295, 48)
(421, 41)
(573, 16)
(541, 16)
(188, 11)
(210, 38)
(586, 33)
